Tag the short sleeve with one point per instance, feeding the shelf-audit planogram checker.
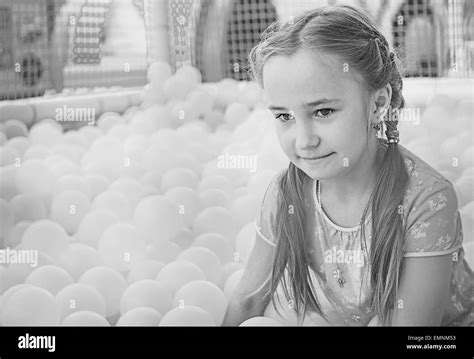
(265, 221)
(434, 224)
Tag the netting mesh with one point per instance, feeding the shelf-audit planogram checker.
(433, 38)
(52, 45)
(247, 21)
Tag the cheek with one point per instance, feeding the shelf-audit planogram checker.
(353, 122)
(285, 138)
(350, 155)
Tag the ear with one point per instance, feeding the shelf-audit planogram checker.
(381, 100)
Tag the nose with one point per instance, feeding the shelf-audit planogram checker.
(306, 136)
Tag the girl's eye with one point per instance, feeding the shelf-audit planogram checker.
(284, 117)
(325, 112)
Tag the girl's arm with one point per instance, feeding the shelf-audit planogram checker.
(432, 240)
(256, 275)
(423, 291)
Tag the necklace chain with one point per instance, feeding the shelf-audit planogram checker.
(320, 202)
(337, 273)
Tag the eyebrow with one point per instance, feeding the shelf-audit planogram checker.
(309, 104)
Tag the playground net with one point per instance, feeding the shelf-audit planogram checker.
(57, 46)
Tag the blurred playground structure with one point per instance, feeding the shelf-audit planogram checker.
(58, 46)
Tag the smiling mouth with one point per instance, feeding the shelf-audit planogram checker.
(316, 158)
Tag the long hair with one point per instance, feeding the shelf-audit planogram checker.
(348, 33)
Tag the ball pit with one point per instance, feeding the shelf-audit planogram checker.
(188, 316)
(205, 259)
(109, 283)
(85, 318)
(50, 277)
(146, 293)
(138, 317)
(80, 297)
(30, 306)
(260, 322)
(176, 274)
(142, 220)
(205, 295)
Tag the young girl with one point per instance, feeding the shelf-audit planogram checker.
(357, 230)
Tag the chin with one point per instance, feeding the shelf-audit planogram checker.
(313, 173)
(319, 173)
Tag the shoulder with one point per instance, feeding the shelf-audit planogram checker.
(425, 185)
(273, 185)
(430, 210)
(265, 221)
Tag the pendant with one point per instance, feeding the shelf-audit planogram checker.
(337, 273)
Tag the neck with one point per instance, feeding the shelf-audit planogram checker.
(356, 185)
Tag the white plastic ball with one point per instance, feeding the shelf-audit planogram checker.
(31, 306)
(179, 177)
(44, 133)
(78, 297)
(205, 295)
(244, 209)
(186, 201)
(174, 275)
(9, 188)
(110, 283)
(146, 293)
(164, 252)
(140, 317)
(114, 202)
(206, 260)
(7, 218)
(16, 273)
(72, 182)
(216, 182)
(144, 269)
(68, 208)
(108, 120)
(119, 245)
(157, 218)
(34, 177)
(21, 144)
(49, 277)
(45, 236)
(217, 243)
(189, 316)
(93, 224)
(78, 259)
(15, 234)
(37, 152)
(28, 207)
(236, 113)
(9, 156)
(158, 72)
(215, 219)
(213, 197)
(227, 270)
(260, 322)
(96, 183)
(189, 72)
(85, 318)
(130, 188)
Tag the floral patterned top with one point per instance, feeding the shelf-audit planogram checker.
(432, 226)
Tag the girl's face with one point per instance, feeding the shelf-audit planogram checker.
(321, 110)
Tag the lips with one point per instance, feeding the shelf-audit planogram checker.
(316, 158)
